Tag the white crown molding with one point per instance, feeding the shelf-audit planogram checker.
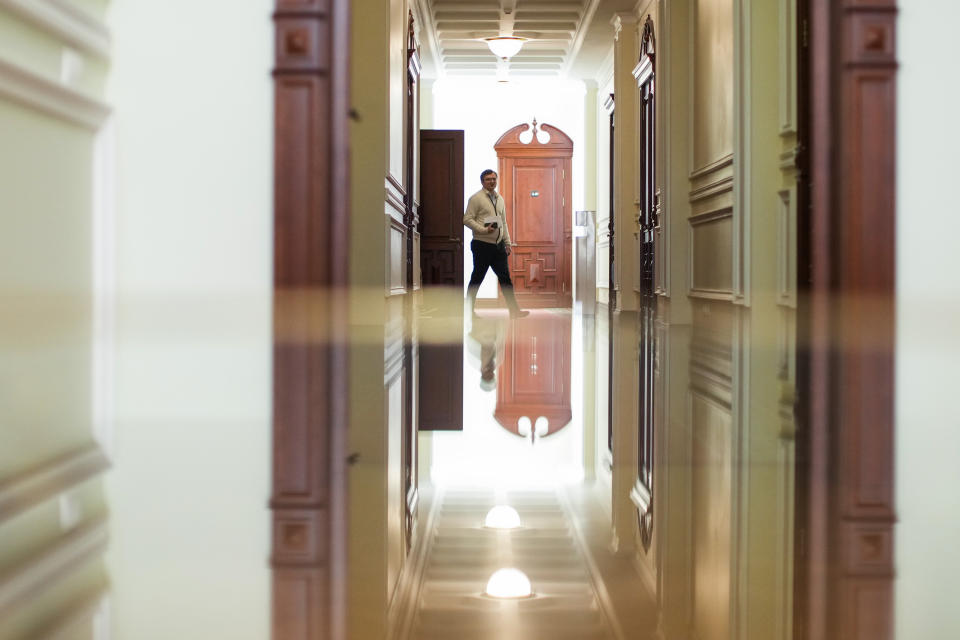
(54, 562)
(65, 22)
(423, 14)
(583, 26)
(38, 92)
(32, 488)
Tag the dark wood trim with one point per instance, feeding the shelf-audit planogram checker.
(611, 271)
(845, 464)
(310, 351)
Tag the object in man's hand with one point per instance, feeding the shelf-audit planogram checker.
(490, 223)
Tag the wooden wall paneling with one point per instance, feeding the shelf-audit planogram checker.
(311, 240)
(846, 513)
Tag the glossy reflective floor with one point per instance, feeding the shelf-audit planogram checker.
(524, 444)
(609, 552)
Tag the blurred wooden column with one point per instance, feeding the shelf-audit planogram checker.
(846, 514)
(308, 499)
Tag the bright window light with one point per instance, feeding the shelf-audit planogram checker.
(502, 517)
(509, 583)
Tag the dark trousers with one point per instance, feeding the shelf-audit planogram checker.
(492, 256)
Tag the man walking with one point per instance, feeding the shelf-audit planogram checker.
(491, 241)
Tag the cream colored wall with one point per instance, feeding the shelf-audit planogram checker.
(377, 551)
(928, 326)
(725, 317)
(54, 124)
(189, 525)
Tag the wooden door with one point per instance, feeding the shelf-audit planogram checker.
(534, 195)
(535, 182)
(441, 262)
(441, 208)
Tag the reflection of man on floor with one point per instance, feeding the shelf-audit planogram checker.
(485, 346)
(486, 217)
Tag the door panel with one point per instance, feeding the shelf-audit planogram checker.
(534, 189)
(440, 371)
(441, 209)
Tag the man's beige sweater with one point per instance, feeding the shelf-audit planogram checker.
(479, 208)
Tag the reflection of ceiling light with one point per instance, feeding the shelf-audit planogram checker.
(509, 583)
(540, 426)
(505, 46)
(523, 426)
(502, 517)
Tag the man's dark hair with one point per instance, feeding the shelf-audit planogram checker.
(485, 173)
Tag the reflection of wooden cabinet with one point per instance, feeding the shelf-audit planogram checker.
(534, 378)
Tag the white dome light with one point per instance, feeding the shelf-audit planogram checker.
(509, 583)
(502, 517)
(505, 46)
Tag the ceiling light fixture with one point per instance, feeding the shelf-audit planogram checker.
(505, 46)
(509, 583)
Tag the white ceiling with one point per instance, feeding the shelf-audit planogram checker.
(567, 37)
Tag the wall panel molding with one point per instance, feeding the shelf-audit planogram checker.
(32, 488)
(788, 67)
(90, 613)
(46, 567)
(711, 167)
(396, 251)
(743, 153)
(787, 247)
(718, 186)
(65, 22)
(695, 287)
(311, 240)
(740, 482)
(37, 92)
(846, 370)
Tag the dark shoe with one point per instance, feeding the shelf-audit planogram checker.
(519, 313)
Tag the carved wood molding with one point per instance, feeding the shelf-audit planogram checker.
(37, 92)
(310, 355)
(33, 487)
(53, 562)
(510, 143)
(64, 21)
